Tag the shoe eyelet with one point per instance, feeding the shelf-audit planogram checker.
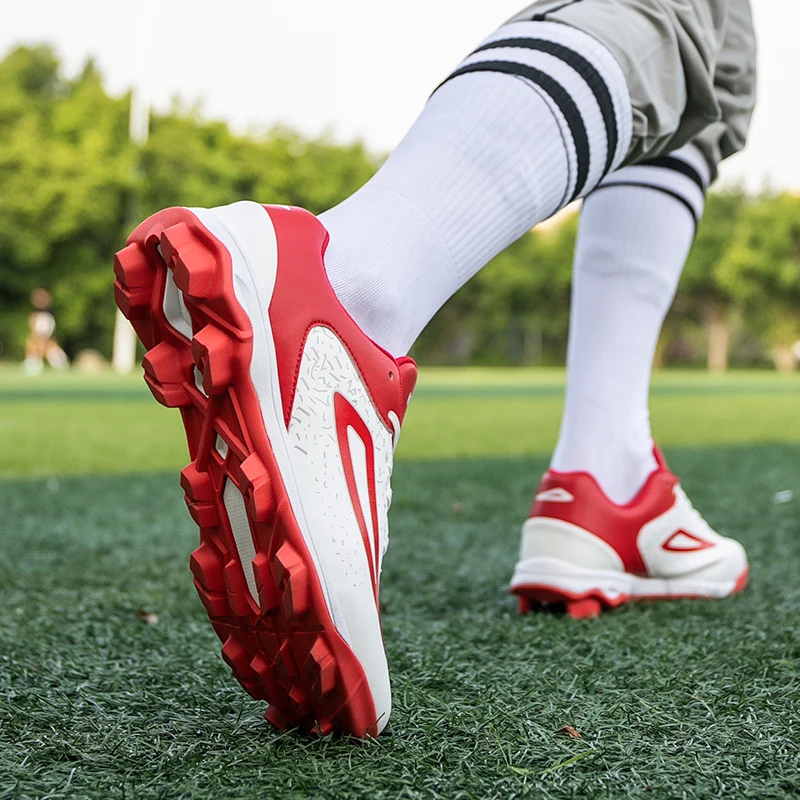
(391, 376)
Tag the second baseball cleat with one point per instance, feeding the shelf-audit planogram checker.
(292, 414)
(581, 550)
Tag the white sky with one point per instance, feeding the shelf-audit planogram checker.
(356, 68)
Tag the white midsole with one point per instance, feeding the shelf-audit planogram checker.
(254, 257)
(546, 572)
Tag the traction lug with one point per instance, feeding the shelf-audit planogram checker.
(133, 288)
(193, 266)
(214, 355)
(206, 565)
(291, 576)
(238, 592)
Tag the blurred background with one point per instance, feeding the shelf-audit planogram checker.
(108, 114)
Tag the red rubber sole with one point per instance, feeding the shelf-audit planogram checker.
(591, 604)
(282, 646)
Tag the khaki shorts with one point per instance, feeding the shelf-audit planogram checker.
(690, 67)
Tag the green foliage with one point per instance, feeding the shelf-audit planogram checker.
(74, 186)
(761, 268)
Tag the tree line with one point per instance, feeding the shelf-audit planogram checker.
(73, 185)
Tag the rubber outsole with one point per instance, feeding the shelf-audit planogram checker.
(282, 645)
(588, 605)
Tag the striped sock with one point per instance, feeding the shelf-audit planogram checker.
(635, 232)
(684, 175)
(534, 118)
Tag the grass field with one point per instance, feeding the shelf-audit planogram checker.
(672, 700)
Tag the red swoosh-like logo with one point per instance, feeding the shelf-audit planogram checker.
(695, 543)
(348, 417)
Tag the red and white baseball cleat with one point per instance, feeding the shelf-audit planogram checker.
(292, 415)
(582, 550)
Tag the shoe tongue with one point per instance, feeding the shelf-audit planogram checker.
(408, 379)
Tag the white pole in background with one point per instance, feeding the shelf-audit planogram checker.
(124, 352)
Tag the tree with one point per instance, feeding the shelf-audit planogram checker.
(64, 165)
(761, 271)
(700, 293)
(73, 186)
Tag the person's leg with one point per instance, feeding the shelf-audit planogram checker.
(633, 239)
(610, 522)
(531, 120)
(634, 236)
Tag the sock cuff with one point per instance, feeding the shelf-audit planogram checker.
(683, 174)
(582, 84)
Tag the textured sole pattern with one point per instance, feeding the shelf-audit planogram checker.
(586, 605)
(281, 645)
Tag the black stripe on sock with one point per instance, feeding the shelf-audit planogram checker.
(674, 195)
(560, 97)
(586, 70)
(676, 165)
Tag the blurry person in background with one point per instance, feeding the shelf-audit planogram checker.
(40, 346)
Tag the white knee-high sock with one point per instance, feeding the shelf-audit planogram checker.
(532, 119)
(635, 232)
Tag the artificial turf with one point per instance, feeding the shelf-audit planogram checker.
(671, 700)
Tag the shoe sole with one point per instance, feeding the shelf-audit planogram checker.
(584, 598)
(282, 645)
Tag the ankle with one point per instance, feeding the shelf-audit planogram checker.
(380, 242)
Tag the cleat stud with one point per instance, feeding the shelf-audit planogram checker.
(253, 472)
(193, 266)
(267, 594)
(204, 514)
(132, 269)
(165, 368)
(172, 239)
(298, 700)
(585, 608)
(320, 667)
(169, 395)
(260, 504)
(263, 669)
(238, 592)
(526, 605)
(133, 288)
(196, 484)
(292, 579)
(206, 565)
(235, 655)
(215, 603)
(283, 667)
(257, 488)
(215, 357)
